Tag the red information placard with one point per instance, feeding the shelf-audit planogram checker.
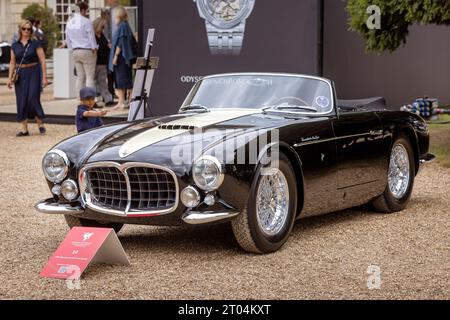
(81, 247)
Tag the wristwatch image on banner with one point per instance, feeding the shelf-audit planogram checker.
(225, 23)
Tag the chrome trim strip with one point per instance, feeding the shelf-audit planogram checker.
(298, 113)
(301, 144)
(49, 206)
(376, 132)
(282, 74)
(85, 197)
(196, 218)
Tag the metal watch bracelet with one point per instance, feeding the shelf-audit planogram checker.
(225, 42)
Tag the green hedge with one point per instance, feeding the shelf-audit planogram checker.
(396, 17)
(49, 24)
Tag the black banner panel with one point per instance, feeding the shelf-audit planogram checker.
(202, 37)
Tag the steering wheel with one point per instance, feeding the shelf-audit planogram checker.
(287, 98)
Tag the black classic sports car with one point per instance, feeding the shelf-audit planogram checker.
(5, 56)
(257, 150)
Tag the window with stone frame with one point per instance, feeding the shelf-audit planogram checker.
(62, 14)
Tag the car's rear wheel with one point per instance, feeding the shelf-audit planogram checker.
(265, 224)
(80, 222)
(400, 178)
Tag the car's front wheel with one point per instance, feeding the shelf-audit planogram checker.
(400, 178)
(264, 226)
(80, 222)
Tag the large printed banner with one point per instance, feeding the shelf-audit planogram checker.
(201, 37)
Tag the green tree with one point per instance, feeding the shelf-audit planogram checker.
(49, 24)
(396, 18)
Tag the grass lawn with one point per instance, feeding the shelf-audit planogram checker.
(440, 140)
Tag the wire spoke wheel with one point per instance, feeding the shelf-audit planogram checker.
(267, 221)
(400, 177)
(399, 171)
(272, 205)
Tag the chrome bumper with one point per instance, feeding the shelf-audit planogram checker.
(196, 218)
(49, 206)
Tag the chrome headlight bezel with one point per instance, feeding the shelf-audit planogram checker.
(65, 170)
(216, 165)
(75, 191)
(192, 192)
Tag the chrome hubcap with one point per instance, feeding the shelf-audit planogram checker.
(399, 172)
(272, 203)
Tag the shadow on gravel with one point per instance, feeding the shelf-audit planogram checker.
(332, 218)
(180, 239)
(219, 237)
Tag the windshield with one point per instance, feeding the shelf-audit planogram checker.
(280, 92)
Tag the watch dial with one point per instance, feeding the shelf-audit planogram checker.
(225, 10)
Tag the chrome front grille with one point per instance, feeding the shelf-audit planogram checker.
(129, 189)
(151, 189)
(108, 188)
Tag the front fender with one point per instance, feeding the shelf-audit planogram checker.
(413, 126)
(78, 147)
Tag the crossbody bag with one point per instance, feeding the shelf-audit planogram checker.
(15, 75)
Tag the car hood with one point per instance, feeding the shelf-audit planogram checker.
(171, 141)
(161, 140)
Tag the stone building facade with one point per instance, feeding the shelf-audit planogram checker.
(11, 11)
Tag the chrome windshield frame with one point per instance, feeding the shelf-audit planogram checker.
(273, 74)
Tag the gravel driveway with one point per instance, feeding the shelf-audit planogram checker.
(326, 257)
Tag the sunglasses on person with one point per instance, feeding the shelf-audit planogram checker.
(26, 29)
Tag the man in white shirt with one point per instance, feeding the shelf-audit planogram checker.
(80, 37)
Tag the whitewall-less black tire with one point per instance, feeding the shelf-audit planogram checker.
(401, 175)
(267, 221)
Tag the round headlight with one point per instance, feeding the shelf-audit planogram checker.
(207, 173)
(69, 190)
(56, 190)
(55, 165)
(210, 199)
(190, 197)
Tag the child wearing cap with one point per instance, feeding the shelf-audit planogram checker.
(87, 118)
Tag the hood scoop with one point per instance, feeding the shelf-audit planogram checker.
(176, 127)
(180, 126)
